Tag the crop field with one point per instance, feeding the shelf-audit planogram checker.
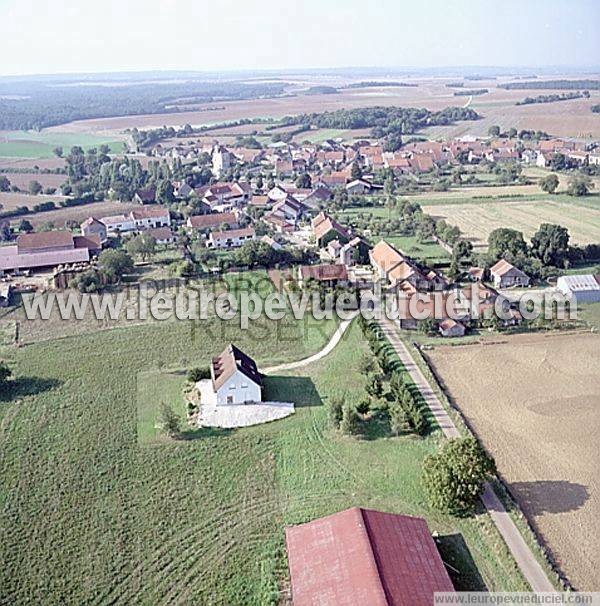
(103, 208)
(31, 163)
(198, 520)
(476, 222)
(22, 180)
(533, 401)
(567, 118)
(10, 200)
(30, 144)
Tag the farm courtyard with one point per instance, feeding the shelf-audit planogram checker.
(199, 520)
(534, 403)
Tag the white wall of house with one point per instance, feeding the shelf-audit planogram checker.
(238, 389)
(234, 242)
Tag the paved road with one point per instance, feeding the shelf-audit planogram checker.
(335, 339)
(531, 569)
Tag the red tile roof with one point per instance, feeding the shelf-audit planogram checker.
(45, 240)
(147, 213)
(212, 220)
(231, 359)
(324, 272)
(360, 556)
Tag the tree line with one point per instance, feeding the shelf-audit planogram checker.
(549, 84)
(26, 105)
(553, 98)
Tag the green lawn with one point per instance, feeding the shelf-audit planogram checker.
(31, 144)
(428, 251)
(322, 134)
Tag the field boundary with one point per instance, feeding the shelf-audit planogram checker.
(524, 557)
(499, 485)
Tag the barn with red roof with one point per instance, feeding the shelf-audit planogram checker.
(361, 556)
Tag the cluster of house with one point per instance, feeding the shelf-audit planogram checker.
(154, 220)
(332, 161)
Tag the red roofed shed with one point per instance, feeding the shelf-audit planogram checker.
(360, 556)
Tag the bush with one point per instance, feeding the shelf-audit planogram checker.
(198, 374)
(363, 407)
(335, 411)
(374, 386)
(350, 424)
(453, 478)
(169, 421)
(398, 420)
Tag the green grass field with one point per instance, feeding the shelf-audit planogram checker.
(31, 144)
(90, 516)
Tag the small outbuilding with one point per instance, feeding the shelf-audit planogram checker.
(451, 328)
(505, 275)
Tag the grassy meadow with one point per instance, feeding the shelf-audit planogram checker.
(89, 516)
(32, 144)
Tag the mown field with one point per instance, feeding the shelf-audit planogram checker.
(88, 516)
(30, 144)
(582, 219)
(542, 429)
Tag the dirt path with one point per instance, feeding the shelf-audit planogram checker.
(529, 566)
(335, 339)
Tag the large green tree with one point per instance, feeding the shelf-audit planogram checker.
(550, 244)
(143, 245)
(549, 183)
(454, 477)
(115, 263)
(580, 185)
(505, 241)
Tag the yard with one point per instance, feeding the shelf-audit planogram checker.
(532, 400)
(428, 251)
(199, 520)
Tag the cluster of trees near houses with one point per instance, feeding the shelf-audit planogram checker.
(93, 173)
(547, 252)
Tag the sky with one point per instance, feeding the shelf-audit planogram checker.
(60, 36)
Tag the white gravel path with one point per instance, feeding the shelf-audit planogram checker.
(335, 339)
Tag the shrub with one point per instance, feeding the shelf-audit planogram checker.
(350, 424)
(398, 420)
(374, 386)
(363, 407)
(169, 421)
(198, 373)
(335, 411)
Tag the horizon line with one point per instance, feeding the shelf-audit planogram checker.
(583, 68)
